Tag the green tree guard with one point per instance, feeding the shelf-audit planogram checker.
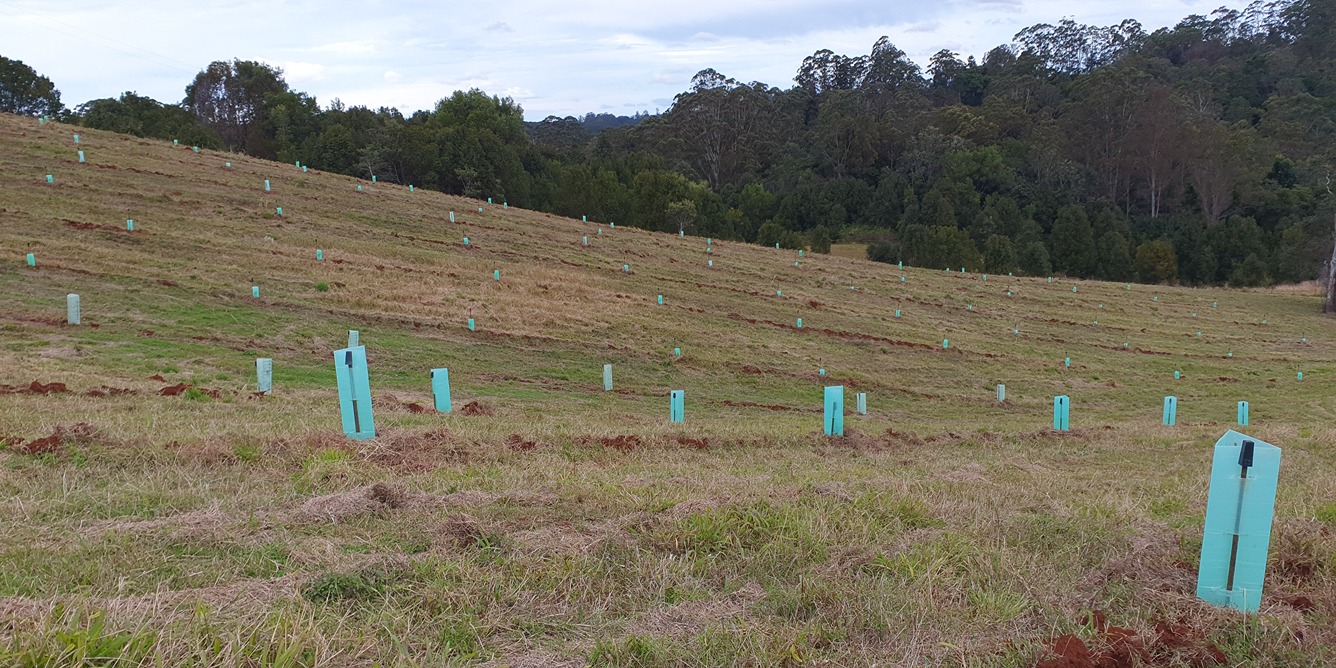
(440, 389)
(350, 371)
(1240, 507)
(1062, 413)
(833, 417)
(264, 375)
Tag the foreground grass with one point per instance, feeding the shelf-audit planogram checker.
(556, 524)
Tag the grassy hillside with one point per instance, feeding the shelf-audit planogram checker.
(546, 522)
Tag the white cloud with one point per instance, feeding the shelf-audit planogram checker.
(354, 48)
(678, 77)
(927, 26)
(392, 76)
(301, 73)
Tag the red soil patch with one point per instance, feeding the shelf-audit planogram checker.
(1190, 645)
(82, 226)
(896, 438)
(36, 387)
(415, 407)
(40, 445)
(623, 443)
(180, 389)
(106, 391)
(1071, 652)
(747, 368)
(1173, 645)
(475, 408)
(158, 377)
(520, 443)
(694, 443)
(170, 284)
(52, 443)
(814, 303)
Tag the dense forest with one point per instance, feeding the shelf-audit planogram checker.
(1199, 154)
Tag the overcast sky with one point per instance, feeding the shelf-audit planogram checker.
(562, 57)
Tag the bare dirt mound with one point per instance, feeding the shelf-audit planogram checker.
(374, 499)
(53, 444)
(181, 388)
(473, 408)
(1173, 644)
(36, 387)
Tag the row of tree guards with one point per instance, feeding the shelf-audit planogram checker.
(355, 396)
(834, 395)
(1240, 504)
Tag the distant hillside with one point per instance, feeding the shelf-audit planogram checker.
(573, 133)
(1196, 153)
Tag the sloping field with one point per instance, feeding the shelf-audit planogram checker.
(156, 510)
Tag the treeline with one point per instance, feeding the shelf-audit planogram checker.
(1198, 154)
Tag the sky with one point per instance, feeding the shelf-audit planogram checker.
(555, 57)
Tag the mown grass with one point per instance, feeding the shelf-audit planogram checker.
(569, 526)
